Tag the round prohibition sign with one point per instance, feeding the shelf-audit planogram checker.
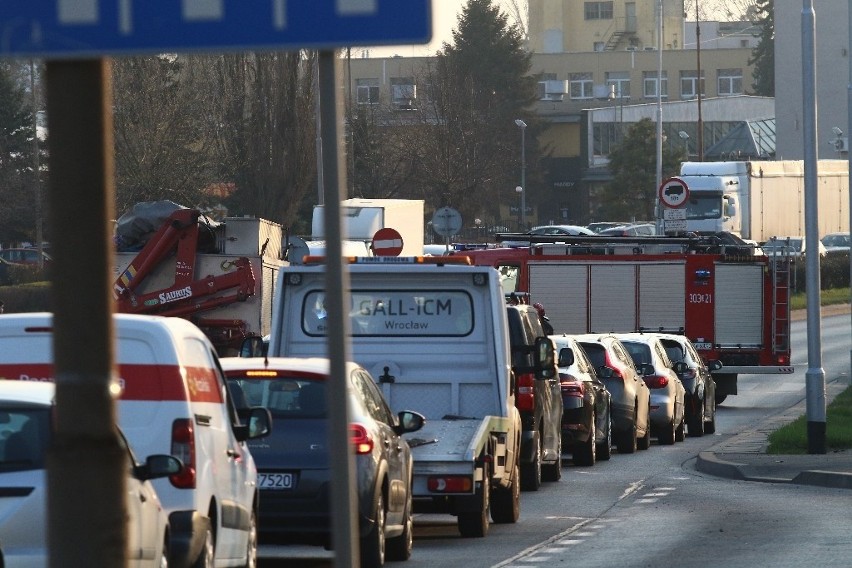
(674, 192)
(387, 242)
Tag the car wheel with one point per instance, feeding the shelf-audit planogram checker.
(680, 434)
(373, 544)
(720, 398)
(696, 423)
(604, 450)
(626, 442)
(400, 547)
(553, 471)
(208, 551)
(531, 472)
(251, 545)
(667, 434)
(710, 425)
(584, 453)
(645, 441)
(506, 502)
(474, 524)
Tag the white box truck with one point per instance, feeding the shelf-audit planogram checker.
(363, 217)
(759, 200)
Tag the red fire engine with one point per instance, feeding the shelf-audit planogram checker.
(733, 304)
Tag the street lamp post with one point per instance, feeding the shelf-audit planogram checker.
(523, 187)
(685, 137)
(520, 191)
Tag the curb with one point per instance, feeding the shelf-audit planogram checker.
(837, 480)
(708, 463)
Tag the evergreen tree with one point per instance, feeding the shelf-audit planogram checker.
(17, 220)
(632, 193)
(481, 85)
(763, 55)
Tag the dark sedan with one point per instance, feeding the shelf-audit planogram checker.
(699, 384)
(293, 462)
(587, 414)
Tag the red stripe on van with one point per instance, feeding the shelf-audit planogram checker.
(138, 382)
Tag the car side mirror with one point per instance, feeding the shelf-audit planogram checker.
(409, 421)
(680, 367)
(257, 424)
(714, 364)
(252, 347)
(645, 369)
(545, 358)
(604, 372)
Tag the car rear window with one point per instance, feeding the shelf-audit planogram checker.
(285, 397)
(596, 354)
(639, 352)
(25, 434)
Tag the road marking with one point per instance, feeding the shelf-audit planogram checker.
(632, 488)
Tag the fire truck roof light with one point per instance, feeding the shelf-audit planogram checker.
(440, 260)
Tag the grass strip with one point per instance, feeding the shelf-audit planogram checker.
(793, 438)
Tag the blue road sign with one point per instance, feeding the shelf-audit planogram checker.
(93, 28)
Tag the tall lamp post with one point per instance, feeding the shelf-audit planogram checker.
(685, 137)
(523, 187)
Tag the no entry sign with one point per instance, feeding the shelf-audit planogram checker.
(387, 242)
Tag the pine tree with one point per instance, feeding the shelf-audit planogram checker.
(763, 55)
(482, 84)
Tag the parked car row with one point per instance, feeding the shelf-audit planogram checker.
(621, 389)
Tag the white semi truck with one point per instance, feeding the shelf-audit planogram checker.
(759, 200)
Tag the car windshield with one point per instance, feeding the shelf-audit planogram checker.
(836, 240)
(25, 437)
(704, 207)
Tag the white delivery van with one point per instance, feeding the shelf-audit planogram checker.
(174, 400)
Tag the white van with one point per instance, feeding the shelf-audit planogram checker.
(174, 400)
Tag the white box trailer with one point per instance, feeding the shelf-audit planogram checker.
(363, 217)
(759, 200)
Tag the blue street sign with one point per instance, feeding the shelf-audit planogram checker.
(94, 28)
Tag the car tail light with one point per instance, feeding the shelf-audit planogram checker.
(656, 381)
(525, 398)
(572, 387)
(362, 441)
(183, 447)
(450, 484)
(783, 360)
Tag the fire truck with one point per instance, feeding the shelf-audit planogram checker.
(732, 303)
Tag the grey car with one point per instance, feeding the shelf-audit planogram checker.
(667, 392)
(293, 462)
(698, 382)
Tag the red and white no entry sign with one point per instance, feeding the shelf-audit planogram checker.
(387, 242)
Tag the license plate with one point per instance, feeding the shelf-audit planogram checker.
(276, 481)
(704, 346)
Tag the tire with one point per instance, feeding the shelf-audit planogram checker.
(506, 503)
(680, 435)
(553, 471)
(667, 434)
(604, 450)
(720, 398)
(585, 453)
(399, 547)
(373, 544)
(710, 425)
(474, 524)
(696, 423)
(207, 556)
(251, 545)
(645, 441)
(626, 442)
(164, 559)
(531, 472)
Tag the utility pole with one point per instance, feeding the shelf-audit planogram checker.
(698, 85)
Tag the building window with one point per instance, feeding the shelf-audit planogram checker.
(403, 92)
(649, 85)
(730, 82)
(367, 91)
(689, 84)
(618, 84)
(599, 46)
(598, 10)
(581, 86)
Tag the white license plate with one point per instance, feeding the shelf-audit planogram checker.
(703, 345)
(276, 481)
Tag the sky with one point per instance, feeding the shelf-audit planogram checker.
(444, 18)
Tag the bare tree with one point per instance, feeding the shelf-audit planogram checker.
(163, 148)
(721, 10)
(267, 133)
